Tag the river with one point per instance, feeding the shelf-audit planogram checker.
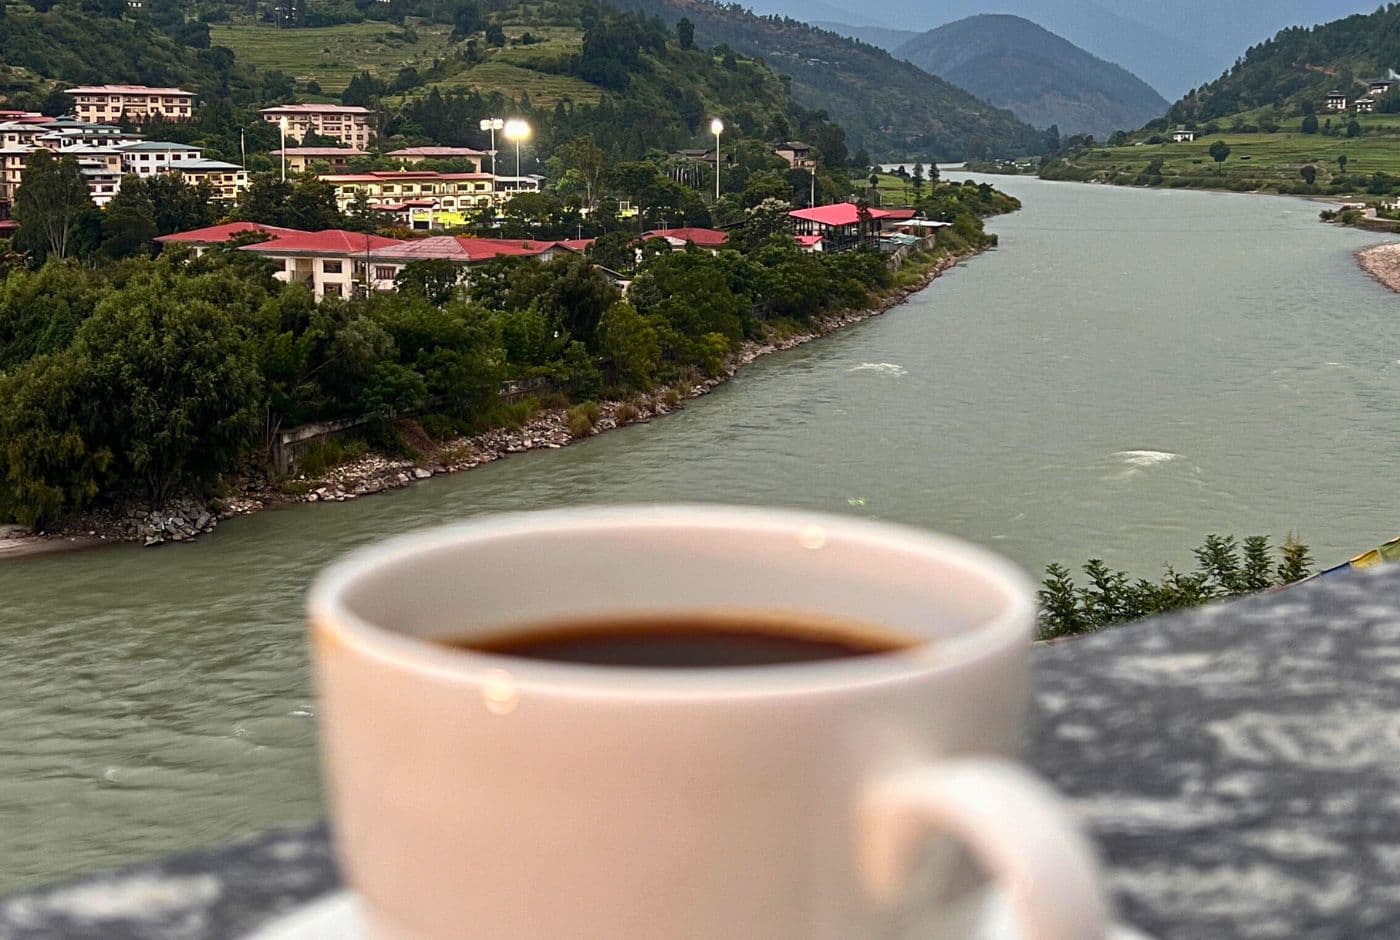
(1128, 372)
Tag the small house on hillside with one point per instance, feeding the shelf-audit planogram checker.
(1183, 136)
(1365, 105)
(1380, 86)
(796, 153)
(1336, 101)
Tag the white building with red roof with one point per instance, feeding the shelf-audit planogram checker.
(841, 226)
(202, 238)
(299, 158)
(680, 238)
(419, 154)
(333, 262)
(100, 104)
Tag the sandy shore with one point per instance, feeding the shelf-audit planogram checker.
(376, 474)
(1383, 263)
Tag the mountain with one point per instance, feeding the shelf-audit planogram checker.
(1173, 45)
(879, 36)
(1298, 67)
(891, 108)
(1040, 77)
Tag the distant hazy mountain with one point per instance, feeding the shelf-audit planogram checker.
(1174, 44)
(1040, 77)
(880, 36)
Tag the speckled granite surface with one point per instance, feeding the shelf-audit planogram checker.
(1239, 766)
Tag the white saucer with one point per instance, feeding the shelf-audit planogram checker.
(337, 917)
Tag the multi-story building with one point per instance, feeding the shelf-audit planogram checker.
(226, 179)
(419, 154)
(12, 163)
(299, 158)
(61, 133)
(149, 157)
(349, 124)
(453, 194)
(325, 261)
(202, 239)
(137, 103)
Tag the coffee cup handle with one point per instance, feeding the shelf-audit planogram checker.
(1015, 826)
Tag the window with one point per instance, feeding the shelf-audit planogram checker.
(383, 273)
(330, 267)
(331, 290)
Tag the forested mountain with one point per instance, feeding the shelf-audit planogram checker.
(1041, 78)
(1174, 45)
(887, 106)
(1298, 67)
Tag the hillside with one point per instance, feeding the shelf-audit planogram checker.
(891, 108)
(882, 37)
(1296, 68)
(1041, 78)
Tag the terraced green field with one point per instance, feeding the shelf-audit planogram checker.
(332, 55)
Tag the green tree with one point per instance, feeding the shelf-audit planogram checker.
(433, 279)
(1309, 174)
(1342, 163)
(615, 251)
(1310, 124)
(1353, 128)
(918, 180)
(495, 36)
(685, 33)
(1220, 151)
(631, 344)
(51, 198)
(129, 222)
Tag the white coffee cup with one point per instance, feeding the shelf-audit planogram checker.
(491, 797)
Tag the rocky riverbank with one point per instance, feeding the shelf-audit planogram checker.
(1383, 263)
(185, 520)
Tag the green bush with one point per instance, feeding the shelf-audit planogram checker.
(582, 419)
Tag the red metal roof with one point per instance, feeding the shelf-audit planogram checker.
(304, 108)
(704, 237)
(331, 241)
(578, 244)
(840, 214)
(809, 241)
(467, 250)
(219, 234)
(899, 215)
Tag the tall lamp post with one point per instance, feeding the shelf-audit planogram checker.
(517, 130)
(492, 125)
(282, 124)
(716, 128)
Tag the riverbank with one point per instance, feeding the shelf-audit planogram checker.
(1382, 262)
(186, 520)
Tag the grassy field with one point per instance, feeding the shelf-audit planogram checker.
(1265, 159)
(332, 55)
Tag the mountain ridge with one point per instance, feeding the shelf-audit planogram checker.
(1041, 77)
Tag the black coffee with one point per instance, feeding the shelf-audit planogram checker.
(693, 642)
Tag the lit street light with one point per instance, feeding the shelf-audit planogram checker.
(517, 130)
(716, 128)
(492, 125)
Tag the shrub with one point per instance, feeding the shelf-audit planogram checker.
(626, 413)
(582, 418)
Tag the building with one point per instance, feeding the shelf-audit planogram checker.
(61, 133)
(226, 179)
(332, 262)
(454, 194)
(1365, 105)
(8, 116)
(681, 238)
(419, 154)
(1380, 86)
(812, 243)
(299, 158)
(149, 157)
(103, 182)
(201, 239)
(419, 215)
(1183, 136)
(12, 163)
(464, 250)
(797, 154)
(841, 226)
(349, 124)
(1336, 101)
(97, 104)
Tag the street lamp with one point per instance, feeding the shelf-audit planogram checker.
(492, 125)
(716, 128)
(282, 124)
(517, 130)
